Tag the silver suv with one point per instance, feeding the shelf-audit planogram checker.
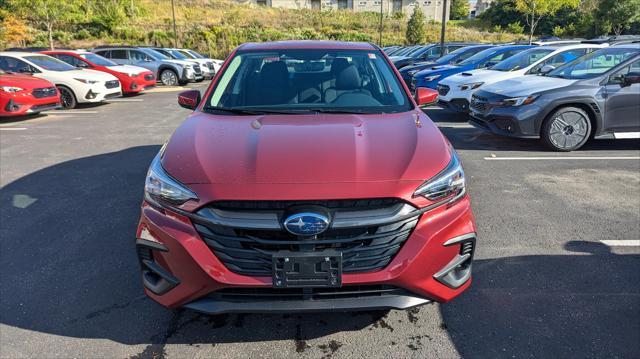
(170, 72)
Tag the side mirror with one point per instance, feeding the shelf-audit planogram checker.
(489, 64)
(630, 79)
(546, 69)
(189, 99)
(25, 70)
(426, 96)
(82, 65)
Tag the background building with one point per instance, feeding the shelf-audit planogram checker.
(432, 8)
(482, 6)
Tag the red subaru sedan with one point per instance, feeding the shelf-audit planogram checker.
(26, 95)
(133, 79)
(306, 179)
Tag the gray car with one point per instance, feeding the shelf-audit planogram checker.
(595, 96)
(170, 72)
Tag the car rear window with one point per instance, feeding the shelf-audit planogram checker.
(355, 81)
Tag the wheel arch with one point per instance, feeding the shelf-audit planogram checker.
(587, 105)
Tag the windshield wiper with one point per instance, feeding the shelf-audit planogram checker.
(334, 110)
(232, 110)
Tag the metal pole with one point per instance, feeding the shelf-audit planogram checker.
(444, 26)
(380, 39)
(175, 32)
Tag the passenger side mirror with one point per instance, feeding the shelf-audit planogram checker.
(25, 70)
(546, 69)
(426, 96)
(630, 79)
(82, 65)
(189, 99)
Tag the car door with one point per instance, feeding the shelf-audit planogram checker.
(622, 103)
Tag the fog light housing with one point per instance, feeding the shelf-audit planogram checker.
(458, 271)
(133, 86)
(91, 95)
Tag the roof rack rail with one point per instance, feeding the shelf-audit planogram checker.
(110, 46)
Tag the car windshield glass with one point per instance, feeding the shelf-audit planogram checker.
(452, 56)
(177, 54)
(485, 54)
(196, 54)
(594, 64)
(404, 51)
(521, 60)
(303, 81)
(154, 54)
(98, 60)
(186, 54)
(418, 49)
(50, 63)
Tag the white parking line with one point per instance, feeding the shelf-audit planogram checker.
(12, 128)
(125, 100)
(622, 243)
(562, 158)
(68, 112)
(454, 125)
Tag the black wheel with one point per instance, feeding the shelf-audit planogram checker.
(67, 98)
(169, 78)
(567, 129)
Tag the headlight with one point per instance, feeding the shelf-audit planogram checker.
(85, 81)
(471, 86)
(160, 184)
(412, 72)
(518, 101)
(446, 186)
(188, 67)
(10, 88)
(431, 78)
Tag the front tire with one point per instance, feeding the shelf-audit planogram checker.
(67, 98)
(567, 129)
(169, 78)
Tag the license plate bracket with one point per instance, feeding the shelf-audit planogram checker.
(310, 270)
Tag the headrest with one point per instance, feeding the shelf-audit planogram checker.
(348, 79)
(339, 64)
(274, 72)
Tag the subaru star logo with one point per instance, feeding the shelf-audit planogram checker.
(306, 224)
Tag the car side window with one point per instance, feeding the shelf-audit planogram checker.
(119, 54)
(137, 55)
(104, 53)
(559, 59)
(616, 77)
(11, 64)
(71, 60)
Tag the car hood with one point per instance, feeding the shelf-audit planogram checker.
(179, 62)
(480, 75)
(435, 69)
(300, 149)
(527, 85)
(128, 69)
(23, 81)
(89, 75)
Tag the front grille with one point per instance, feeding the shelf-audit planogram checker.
(44, 92)
(196, 69)
(443, 90)
(112, 84)
(293, 294)
(210, 65)
(479, 104)
(246, 235)
(148, 77)
(48, 106)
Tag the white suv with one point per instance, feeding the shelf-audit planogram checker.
(454, 92)
(75, 85)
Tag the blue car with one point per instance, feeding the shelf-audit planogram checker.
(454, 58)
(487, 58)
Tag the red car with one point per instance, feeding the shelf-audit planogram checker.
(26, 95)
(306, 179)
(133, 79)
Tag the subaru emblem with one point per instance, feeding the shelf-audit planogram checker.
(306, 224)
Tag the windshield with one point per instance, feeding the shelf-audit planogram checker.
(594, 64)
(154, 54)
(488, 53)
(195, 54)
(404, 51)
(49, 63)
(522, 60)
(187, 54)
(98, 60)
(303, 81)
(177, 54)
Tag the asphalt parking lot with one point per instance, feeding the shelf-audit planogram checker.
(557, 270)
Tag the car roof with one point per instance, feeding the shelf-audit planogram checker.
(19, 53)
(307, 44)
(634, 45)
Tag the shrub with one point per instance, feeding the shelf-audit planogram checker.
(416, 28)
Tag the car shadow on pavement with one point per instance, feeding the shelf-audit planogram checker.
(68, 268)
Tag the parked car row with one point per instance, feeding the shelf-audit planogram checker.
(564, 94)
(71, 77)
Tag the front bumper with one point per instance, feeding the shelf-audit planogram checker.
(519, 122)
(98, 93)
(196, 278)
(22, 104)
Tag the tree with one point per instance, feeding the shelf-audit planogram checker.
(416, 27)
(13, 31)
(46, 14)
(618, 14)
(459, 9)
(534, 10)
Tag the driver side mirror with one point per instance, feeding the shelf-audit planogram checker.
(82, 65)
(26, 70)
(189, 99)
(546, 69)
(630, 79)
(489, 64)
(426, 96)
